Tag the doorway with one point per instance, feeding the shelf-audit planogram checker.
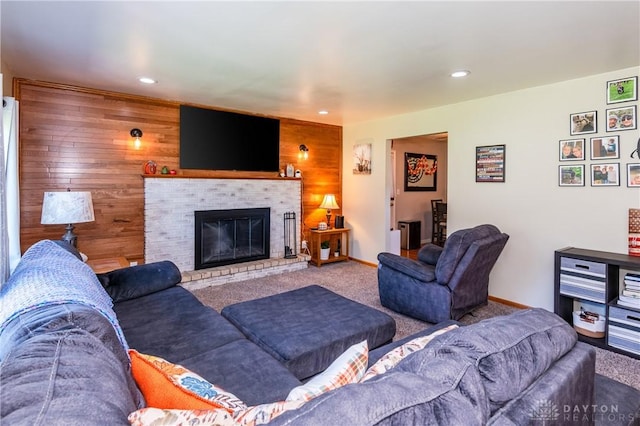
(411, 205)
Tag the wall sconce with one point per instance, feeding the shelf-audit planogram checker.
(304, 152)
(136, 133)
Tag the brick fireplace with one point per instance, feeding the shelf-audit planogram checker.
(170, 203)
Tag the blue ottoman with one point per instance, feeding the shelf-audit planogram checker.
(308, 328)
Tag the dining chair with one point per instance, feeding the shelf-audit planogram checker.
(441, 223)
(434, 222)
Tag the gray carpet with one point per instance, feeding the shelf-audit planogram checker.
(359, 282)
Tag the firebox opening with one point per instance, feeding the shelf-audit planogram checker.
(224, 237)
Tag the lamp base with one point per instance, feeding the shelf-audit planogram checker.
(329, 220)
(69, 236)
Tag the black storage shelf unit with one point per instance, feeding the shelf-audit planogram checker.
(597, 277)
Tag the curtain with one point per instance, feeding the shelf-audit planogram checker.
(9, 189)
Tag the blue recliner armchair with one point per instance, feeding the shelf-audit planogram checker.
(445, 282)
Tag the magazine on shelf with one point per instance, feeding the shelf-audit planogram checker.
(631, 293)
(632, 302)
(631, 284)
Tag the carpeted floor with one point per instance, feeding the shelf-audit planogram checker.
(358, 282)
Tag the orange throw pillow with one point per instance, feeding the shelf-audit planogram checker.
(171, 386)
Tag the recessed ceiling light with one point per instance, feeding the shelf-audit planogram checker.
(461, 73)
(323, 112)
(146, 80)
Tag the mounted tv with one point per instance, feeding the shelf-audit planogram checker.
(222, 140)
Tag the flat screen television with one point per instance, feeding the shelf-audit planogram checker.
(222, 140)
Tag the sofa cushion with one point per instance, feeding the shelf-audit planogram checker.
(242, 368)
(137, 281)
(173, 324)
(394, 356)
(347, 368)
(308, 328)
(443, 392)
(413, 268)
(200, 339)
(429, 254)
(456, 246)
(56, 353)
(378, 353)
(168, 385)
(510, 352)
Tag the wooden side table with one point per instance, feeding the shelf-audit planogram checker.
(338, 244)
(100, 266)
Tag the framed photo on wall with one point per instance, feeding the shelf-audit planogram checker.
(362, 159)
(490, 163)
(605, 174)
(583, 122)
(623, 118)
(605, 148)
(622, 90)
(571, 175)
(572, 150)
(633, 175)
(420, 172)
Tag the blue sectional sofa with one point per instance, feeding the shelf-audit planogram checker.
(63, 358)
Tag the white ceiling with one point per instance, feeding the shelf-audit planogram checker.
(358, 60)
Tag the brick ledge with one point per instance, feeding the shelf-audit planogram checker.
(193, 280)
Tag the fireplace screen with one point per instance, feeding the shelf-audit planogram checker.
(223, 237)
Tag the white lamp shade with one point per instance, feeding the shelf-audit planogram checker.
(329, 202)
(66, 208)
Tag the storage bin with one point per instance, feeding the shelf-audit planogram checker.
(583, 279)
(624, 329)
(587, 328)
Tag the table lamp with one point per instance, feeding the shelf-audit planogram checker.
(329, 203)
(67, 208)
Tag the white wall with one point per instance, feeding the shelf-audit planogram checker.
(539, 215)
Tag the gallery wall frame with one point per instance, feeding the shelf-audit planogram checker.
(571, 175)
(622, 90)
(633, 175)
(490, 163)
(420, 172)
(605, 147)
(582, 123)
(621, 118)
(571, 149)
(605, 174)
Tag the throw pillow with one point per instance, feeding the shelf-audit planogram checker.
(252, 416)
(393, 357)
(157, 416)
(347, 368)
(264, 413)
(171, 386)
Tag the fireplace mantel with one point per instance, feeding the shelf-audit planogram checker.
(208, 176)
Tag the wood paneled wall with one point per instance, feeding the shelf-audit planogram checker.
(78, 138)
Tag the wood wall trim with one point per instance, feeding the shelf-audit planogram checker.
(78, 138)
(508, 303)
(18, 83)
